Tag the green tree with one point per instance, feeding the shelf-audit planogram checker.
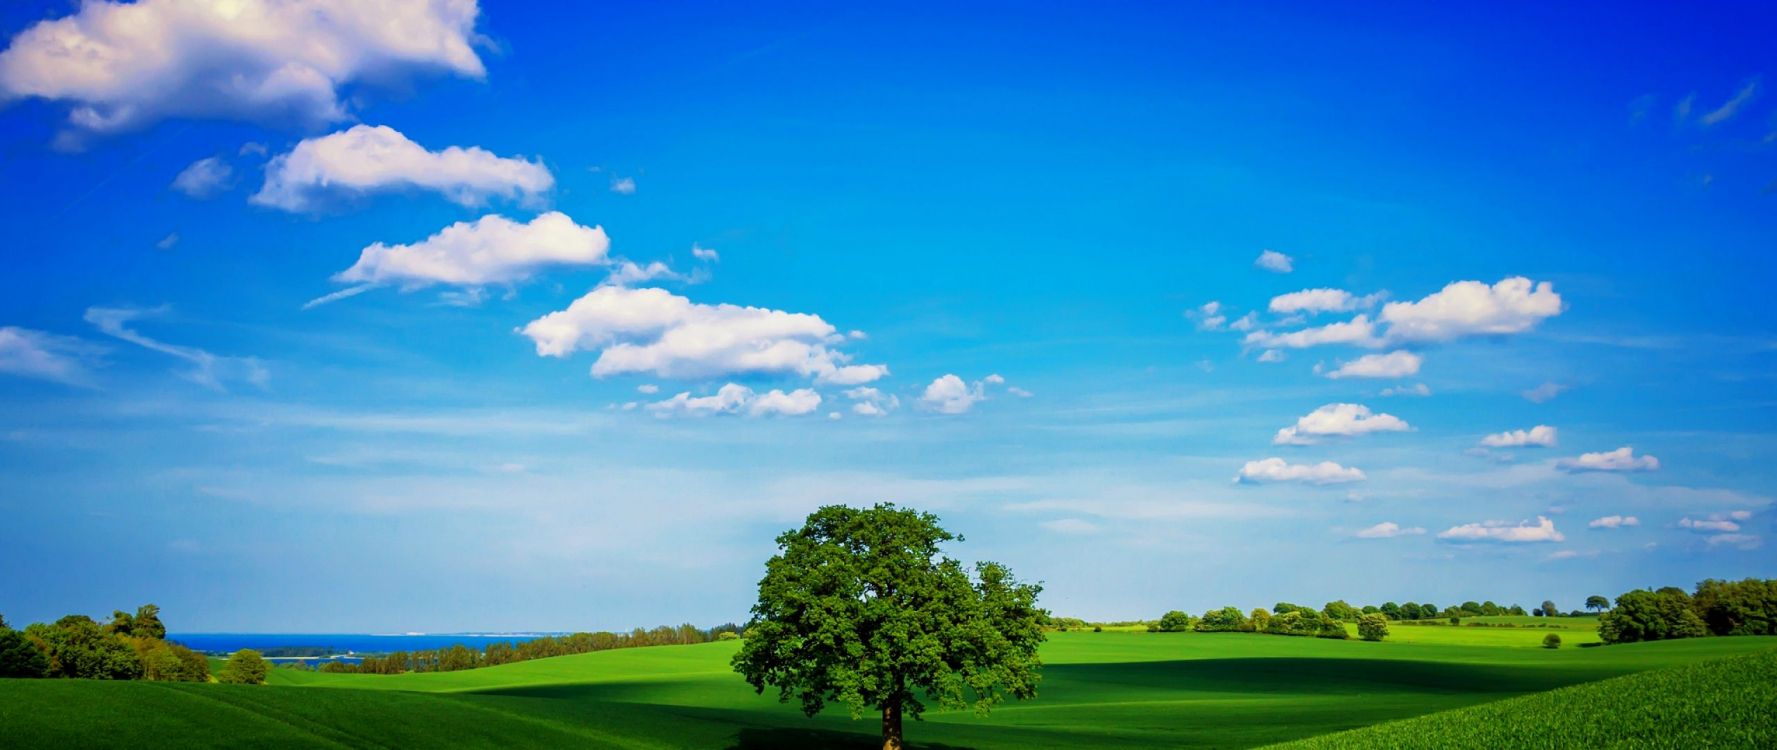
(861, 607)
(1224, 620)
(1746, 607)
(244, 667)
(1258, 620)
(1391, 610)
(19, 657)
(1643, 615)
(1175, 622)
(76, 646)
(1549, 609)
(1372, 627)
(1339, 610)
(1551, 641)
(1597, 603)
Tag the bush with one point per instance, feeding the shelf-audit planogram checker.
(244, 667)
(1224, 620)
(1372, 627)
(727, 635)
(1098, 628)
(1551, 641)
(1174, 622)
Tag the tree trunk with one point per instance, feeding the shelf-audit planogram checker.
(891, 727)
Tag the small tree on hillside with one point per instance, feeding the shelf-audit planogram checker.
(1597, 603)
(860, 607)
(1372, 627)
(1551, 641)
(1175, 622)
(244, 667)
(1550, 610)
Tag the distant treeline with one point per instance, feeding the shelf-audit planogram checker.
(1717, 607)
(130, 647)
(460, 657)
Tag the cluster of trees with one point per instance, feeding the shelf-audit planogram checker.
(130, 647)
(1717, 607)
(460, 657)
(1283, 619)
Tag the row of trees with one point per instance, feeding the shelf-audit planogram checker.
(130, 647)
(1717, 607)
(1288, 619)
(460, 657)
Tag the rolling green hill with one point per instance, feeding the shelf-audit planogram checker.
(1129, 690)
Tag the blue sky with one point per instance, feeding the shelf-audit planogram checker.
(265, 361)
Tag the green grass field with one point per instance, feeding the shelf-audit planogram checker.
(1115, 690)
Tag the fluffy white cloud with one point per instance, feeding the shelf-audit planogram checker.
(1337, 420)
(209, 370)
(1621, 459)
(623, 185)
(739, 399)
(1387, 530)
(1541, 435)
(1322, 300)
(1398, 364)
(1358, 331)
(871, 402)
(948, 394)
(46, 356)
(656, 331)
(628, 272)
(204, 178)
(1416, 389)
(122, 65)
(1613, 522)
(368, 159)
(1275, 262)
(490, 250)
(1467, 308)
(1209, 316)
(1279, 470)
(705, 254)
(1501, 531)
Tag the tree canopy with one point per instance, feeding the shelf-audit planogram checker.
(861, 607)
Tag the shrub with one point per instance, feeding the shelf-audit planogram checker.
(1175, 622)
(1098, 628)
(727, 635)
(1224, 620)
(244, 667)
(1372, 627)
(1551, 641)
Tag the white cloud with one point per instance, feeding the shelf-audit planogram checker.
(705, 254)
(871, 402)
(121, 66)
(1468, 308)
(1322, 300)
(1732, 106)
(1739, 541)
(1272, 355)
(1541, 435)
(656, 331)
(739, 399)
(204, 178)
(629, 273)
(490, 250)
(209, 370)
(1397, 364)
(1275, 262)
(1334, 420)
(1070, 526)
(1358, 331)
(1416, 389)
(367, 159)
(623, 185)
(1019, 392)
(948, 394)
(1209, 316)
(46, 356)
(1543, 393)
(1246, 322)
(1621, 459)
(1613, 522)
(1278, 470)
(647, 389)
(1501, 531)
(1726, 523)
(167, 242)
(1387, 530)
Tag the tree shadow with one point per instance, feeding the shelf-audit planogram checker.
(777, 738)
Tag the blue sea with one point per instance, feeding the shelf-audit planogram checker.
(344, 644)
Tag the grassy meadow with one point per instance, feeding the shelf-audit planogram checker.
(1112, 689)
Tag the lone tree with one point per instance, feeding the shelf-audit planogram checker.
(1597, 603)
(860, 607)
